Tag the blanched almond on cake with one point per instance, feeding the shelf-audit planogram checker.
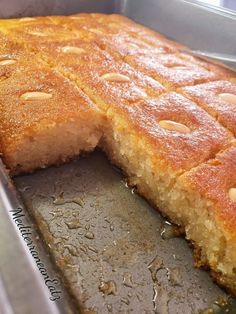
(7, 62)
(115, 77)
(232, 194)
(174, 126)
(231, 98)
(72, 49)
(35, 96)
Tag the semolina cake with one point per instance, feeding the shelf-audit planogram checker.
(40, 29)
(174, 71)
(207, 195)
(218, 98)
(44, 119)
(167, 119)
(155, 141)
(106, 80)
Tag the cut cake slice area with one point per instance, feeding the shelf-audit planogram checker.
(206, 199)
(161, 144)
(156, 140)
(45, 119)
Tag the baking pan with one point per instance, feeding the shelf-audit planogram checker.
(23, 289)
(108, 250)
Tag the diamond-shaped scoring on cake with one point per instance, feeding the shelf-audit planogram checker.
(218, 98)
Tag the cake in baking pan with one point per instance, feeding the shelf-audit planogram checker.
(167, 119)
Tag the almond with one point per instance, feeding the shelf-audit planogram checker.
(228, 97)
(96, 31)
(35, 96)
(72, 49)
(7, 62)
(37, 33)
(115, 77)
(232, 194)
(174, 126)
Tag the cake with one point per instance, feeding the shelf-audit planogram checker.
(167, 119)
(217, 98)
(207, 194)
(45, 119)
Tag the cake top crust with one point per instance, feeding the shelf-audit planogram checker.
(218, 98)
(177, 129)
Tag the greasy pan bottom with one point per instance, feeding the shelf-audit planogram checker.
(110, 244)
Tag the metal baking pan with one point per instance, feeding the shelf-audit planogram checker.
(103, 247)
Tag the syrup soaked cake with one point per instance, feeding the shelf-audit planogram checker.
(45, 119)
(69, 84)
(207, 196)
(218, 98)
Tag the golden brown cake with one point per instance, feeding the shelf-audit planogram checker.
(166, 118)
(218, 98)
(207, 198)
(44, 118)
